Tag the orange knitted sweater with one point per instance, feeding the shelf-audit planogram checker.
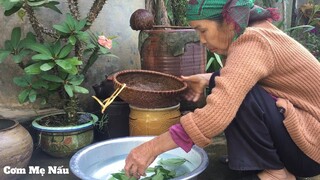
(266, 56)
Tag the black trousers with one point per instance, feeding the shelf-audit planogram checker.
(257, 138)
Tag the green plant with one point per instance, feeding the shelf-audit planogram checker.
(307, 32)
(55, 60)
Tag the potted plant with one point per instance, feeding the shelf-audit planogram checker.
(55, 61)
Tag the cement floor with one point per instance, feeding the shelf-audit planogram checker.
(215, 170)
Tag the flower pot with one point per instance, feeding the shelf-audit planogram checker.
(16, 147)
(64, 141)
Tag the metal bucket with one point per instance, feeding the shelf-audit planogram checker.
(100, 160)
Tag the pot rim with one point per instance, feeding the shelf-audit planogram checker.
(84, 126)
(16, 123)
(125, 72)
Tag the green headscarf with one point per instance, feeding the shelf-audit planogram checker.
(239, 12)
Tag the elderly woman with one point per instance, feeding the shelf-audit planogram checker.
(266, 98)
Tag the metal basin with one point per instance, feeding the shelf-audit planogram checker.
(100, 160)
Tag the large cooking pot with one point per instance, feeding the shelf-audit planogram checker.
(100, 160)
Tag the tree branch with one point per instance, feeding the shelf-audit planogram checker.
(37, 26)
(94, 11)
(74, 9)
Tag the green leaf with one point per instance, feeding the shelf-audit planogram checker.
(81, 24)
(79, 89)
(64, 64)
(56, 48)
(74, 61)
(40, 84)
(47, 66)
(54, 86)
(68, 89)
(41, 57)
(29, 39)
(73, 70)
(21, 81)
(8, 46)
(15, 36)
(52, 78)
(76, 80)
(17, 58)
(40, 48)
(33, 69)
(62, 28)
(70, 21)
(52, 5)
(72, 40)
(13, 10)
(83, 36)
(32, 95)
(22, 97)
(3, 55)
(65, 51)
(36, 3)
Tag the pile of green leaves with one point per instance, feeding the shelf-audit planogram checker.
(164, 171)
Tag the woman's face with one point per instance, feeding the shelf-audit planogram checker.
(215, 36)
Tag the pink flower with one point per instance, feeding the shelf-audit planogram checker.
(105, 42)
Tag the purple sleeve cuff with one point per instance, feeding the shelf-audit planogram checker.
(180, 137)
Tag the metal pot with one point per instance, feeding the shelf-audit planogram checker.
(100, 160)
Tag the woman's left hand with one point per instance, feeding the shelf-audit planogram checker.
(139, 159)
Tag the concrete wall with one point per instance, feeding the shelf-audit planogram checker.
(113, 20)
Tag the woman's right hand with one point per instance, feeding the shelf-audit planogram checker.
(196, 85)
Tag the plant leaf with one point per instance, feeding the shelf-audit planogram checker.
(74, 61)
(40, 48)
(32, 95)
(52, 5)
(79, 89)
(33, 69)
(68, 89)
(41, 57)
(15, 37)
(3, 55)
(22, 97)
(47, 66)
(65, 51)
(52, 78)
(21, 81)
(72, 40)
(64, 64)
(62, 28)
(13, 10)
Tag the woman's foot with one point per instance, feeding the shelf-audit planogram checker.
(282, 174)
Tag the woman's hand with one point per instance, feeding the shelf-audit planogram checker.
(139, 159)
(142, 156)
(196, 85)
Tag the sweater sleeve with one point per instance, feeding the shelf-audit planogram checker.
(250, 58)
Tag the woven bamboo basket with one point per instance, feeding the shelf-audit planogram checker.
(149, 89)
